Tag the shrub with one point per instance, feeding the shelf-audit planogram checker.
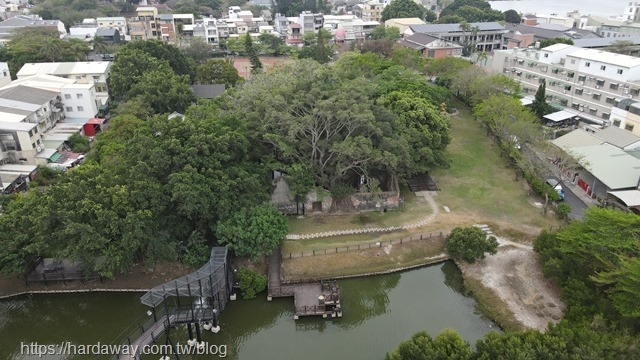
(469, 244)
(251, 283)
(564, 210)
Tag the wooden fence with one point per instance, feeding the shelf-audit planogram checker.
(372, 245)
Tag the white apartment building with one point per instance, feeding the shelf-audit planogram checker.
(25, 114)
(119, 23)
(626, 115)
(78, 100)
(588, 82)
(88, 72)
(310, 22)
(348, 27)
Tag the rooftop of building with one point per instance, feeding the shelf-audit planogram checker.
(612, 166)
(453, 28)
(606, 57)
(65, 68)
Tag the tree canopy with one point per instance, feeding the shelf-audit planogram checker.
(470, 243)
(216, 71)
(39, 44)
(511, 16)
(403, 9)
(557, 40)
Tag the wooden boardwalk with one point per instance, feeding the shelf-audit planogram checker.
(310, 298)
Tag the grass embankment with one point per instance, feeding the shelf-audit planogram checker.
(363, 262)
(492, 306)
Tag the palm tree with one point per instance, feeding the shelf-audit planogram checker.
(482, 57)
(50, 50)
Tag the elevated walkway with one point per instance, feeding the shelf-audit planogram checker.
(208, 290)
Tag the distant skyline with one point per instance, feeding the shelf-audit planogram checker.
(546, 7)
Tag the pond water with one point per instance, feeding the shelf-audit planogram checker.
(379, 312)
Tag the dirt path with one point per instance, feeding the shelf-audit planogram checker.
(515, 276)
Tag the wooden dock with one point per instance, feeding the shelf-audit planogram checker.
(313, 298)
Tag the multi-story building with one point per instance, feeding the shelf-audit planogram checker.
(431, 47)
(403, 24)
(589, 82)
(486, 35)
(119, 23)
(310, 22)
(348, 27)
(26, 113)
(626, 115)
(87, 29)
(8, 27)
(369, 11)
(144, 26)
(94, 73)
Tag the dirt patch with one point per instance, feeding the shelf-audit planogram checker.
(243, 65)
(515, 276)
(140, 277)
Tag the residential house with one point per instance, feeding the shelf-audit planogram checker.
(87, 29)
(431, 47)
(266, 15)
(8, 27)
(208, 30)
(281, 24)
(118, 23)
(585, 81)
(89, 72)
(310, 22)
(487, 36)
(348, 27)
(110, 36)
(294, 34)
(144, 26)
(520, 35)
(404, 23)
(626, 115)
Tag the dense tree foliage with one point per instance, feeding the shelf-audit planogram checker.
(253, 232)
(256, 65)
(595, 262)
(383, 32)
(250, 283)
(198, 50)
(540, 106)
(403, 9)
(557, 40)
(39, 44)
(71, 12)
(163, 90)
(448, 344)
(78, 143)
(317, 46)
(470, 243)
(151, 190)
(300, 114)
(216, 71)
(512, 17)
(625, 47)
(177, 60)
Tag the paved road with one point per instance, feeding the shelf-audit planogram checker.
(577, 205)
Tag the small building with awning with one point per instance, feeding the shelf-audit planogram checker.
(93, 126)
(626, 199)
(560, 118)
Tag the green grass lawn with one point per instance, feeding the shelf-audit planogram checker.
(413, 209)
(479, 182)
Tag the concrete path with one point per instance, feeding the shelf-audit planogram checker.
(435, 210)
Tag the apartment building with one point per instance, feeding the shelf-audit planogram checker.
(26, 113)
(119, 23)
(486, 35)
(143, 26)
(626, 115)
(369, 11)
(588, 82)
(88, 72)
(8, 27)
(310, 22)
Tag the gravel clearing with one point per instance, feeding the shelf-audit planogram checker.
(514, 274)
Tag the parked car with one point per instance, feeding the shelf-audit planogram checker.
(555, 184)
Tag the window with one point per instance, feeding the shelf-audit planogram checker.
(599, 82)
(575, 105)
(33, 145)
(573, 61)
(30, 133)
(69, 108)
(96, 78)
(67, 96)
(571, 74)
(563, 102)
(602, 67)
(628, 127)
(80, 108)
(546, 55)
(78, 96)
(614, 86)
(635, 92)
(596, 96)
(78, 77)
(587, 64)
(619, 71)
(593, 111)
(582, 78)
(567, 87)
(616, 122)
(606, 116)
(610, 100)
(579, 91)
